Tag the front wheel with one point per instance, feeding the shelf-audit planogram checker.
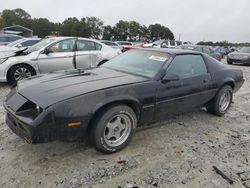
(19, 72)
(113, 128)
(221, 102)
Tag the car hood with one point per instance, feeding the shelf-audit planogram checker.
(12, 51)
(45, 90)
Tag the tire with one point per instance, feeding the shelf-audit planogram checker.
(216, 106)
(24, 70)
(113, 129)
(229, 62)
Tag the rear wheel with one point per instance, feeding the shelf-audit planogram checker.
(221, 102)
(113, 128)
(19, 72)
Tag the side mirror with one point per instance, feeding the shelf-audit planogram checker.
(46, 51)
(170, 77)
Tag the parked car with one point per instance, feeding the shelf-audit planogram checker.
(8, 38)
(53, 54)
(111, 44)
(204, 49)
(239, 57)
(155, 44)
(163, 44)
(125, 45)
(110, 102)
(24, 42)
(12, 47)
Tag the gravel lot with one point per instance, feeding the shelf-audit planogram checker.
(180, 152)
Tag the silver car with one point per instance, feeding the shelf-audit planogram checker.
(54, 54)
(8, 38)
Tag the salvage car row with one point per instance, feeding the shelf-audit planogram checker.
(18, 60)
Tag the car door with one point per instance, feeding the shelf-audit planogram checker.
(96, 54)
(58, 56)
(191, 90)
(82, 58)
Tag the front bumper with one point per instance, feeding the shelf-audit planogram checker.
(49, 125)
(32, 134)
(238, 61)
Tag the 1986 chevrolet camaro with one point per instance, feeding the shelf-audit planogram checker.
(108, 103)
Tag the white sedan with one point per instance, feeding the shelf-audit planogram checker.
(54, 54)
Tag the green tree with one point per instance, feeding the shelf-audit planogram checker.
(95, 26)
(158, 31)
(108, 33)
(15, 17)
(121, 30)
(42, 27)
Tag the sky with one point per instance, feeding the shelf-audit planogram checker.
(191, 20)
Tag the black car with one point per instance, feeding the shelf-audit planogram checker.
(239, 57)
(108, 103)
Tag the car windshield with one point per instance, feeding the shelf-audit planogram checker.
(16, 42)
(245, 50)
(138, 62)
(39, 45)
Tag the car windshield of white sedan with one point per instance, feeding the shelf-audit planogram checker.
(136, 62)
(40, 44)
(245, 50)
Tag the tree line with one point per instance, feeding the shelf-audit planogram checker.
(89, 27)
(224, 43)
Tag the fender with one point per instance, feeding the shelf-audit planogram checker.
(114, 99)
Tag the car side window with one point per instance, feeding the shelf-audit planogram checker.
(187, 66)
(63, 46)
(98, 46)
(84, 45)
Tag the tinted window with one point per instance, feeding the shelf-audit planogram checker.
(11, 39)
(98, 46)
(29, 43)
(63, 46)
(187, 65)
(172, 43)
(138, 62)
(245, 50)
(3, 39)
(178, 43)
(84, 45)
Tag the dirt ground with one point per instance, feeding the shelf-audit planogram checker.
(180, 152)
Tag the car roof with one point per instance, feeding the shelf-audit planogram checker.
(170, 51)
